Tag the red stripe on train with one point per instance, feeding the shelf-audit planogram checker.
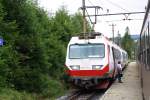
(88, 72)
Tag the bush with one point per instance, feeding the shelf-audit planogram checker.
(52, 88)
(10, 94)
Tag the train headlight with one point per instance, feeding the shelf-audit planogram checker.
(75, 67)
(97, 67)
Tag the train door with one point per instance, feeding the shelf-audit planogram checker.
(114, 62)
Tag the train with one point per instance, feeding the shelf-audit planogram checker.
(91, 61)
(143, 54)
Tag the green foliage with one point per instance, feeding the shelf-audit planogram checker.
(52, 88)
(62, 26)
(10, 94)
(77, 22)
(127, 43)
(33, 56)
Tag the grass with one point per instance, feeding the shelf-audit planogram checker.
(54, 90)
(10, 94)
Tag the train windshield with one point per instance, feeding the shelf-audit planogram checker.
(83, 51)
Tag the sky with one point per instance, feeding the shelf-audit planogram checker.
(104, 23)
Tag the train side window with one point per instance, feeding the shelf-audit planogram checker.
(114, 58)
(142, 42)
(148, 58)
(147, 37)
(144, 39)
(148, 50)
(109, 48)
(148, 31)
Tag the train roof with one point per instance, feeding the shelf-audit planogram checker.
(94, 38)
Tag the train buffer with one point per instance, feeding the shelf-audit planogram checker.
(130, 89)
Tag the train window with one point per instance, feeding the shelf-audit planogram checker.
(117, 54)
(83, 51)
(147, 38)
(124, 56)
(142, 42)
(143, 48)
(148, 35)
(109, 49)
(149, 57)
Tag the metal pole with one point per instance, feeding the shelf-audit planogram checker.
(113, 31)
(113, 25)
(84, 20)
(119, 39)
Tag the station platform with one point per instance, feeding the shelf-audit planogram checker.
(130, 89)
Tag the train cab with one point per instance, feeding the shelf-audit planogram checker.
(90, 60)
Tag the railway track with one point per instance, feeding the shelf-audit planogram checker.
(85, 95)
(74, 95)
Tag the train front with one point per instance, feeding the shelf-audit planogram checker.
(87, 62)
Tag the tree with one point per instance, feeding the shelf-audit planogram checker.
(27, 61)
(33, 56)
(127, 43)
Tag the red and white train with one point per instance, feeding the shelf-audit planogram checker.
(91, 61)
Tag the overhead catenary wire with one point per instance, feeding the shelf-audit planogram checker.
(129, 13)
(88, 16)
(124, 20)
(91, 3)
(94, 5)
(116, 5)
(84, 9)
(92, 23)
